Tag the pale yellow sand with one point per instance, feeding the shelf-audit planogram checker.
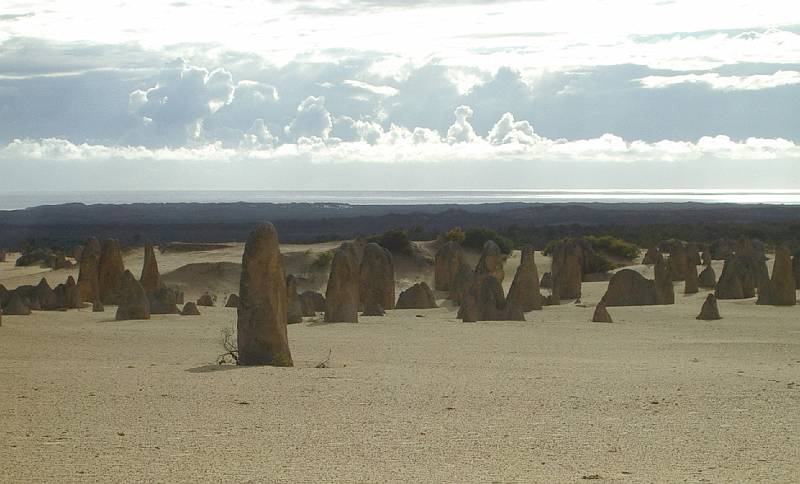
(657, 396)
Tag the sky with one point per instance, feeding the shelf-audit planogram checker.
(399, 94)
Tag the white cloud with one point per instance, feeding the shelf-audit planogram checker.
(312, 120)
(506, 131)
(725, 83)
(365, 86)
(461, 131)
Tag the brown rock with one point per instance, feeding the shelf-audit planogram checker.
(651, 256)
(294, 309)
(730, 284)
(261, 326)
(163, 301)
(460, 283)
(678, 261)
(665, 292)
(485, 302)
(547, 280)
(552, 299)
(373, 309)
(491, 261)
(377, 277)
(796, 269)
(2, 255)
(448, 260)
(190, 309)
(133, 303)
(690, 285)
(706, 256)
(97, 307)
(151, 279)
(205, 300)
(110, 272)
(709, 311)
(15, 306)
(233, 301)
(524, 291)
(693, 255)
(47, 298)
(601, 314)
(707, 278)
(418, 296)
(72, 296)
(629, 288)
(312, 302)
(781, 289)
(567, 269)
(341, 295)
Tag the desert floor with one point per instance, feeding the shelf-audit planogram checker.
(656, 396)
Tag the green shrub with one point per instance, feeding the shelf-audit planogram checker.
(395, 241)
(602, 244)
(474, 238)
(610, 245)
(322, 260)
(455, 235)
(598, 262)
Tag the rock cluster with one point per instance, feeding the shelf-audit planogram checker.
(89, 275)
(629, 288)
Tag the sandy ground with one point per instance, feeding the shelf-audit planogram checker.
(656, 396)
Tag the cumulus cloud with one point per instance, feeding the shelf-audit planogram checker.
(506, 130)
(312, 121)
(725, 83)
(346, 128)
(258, 137)
(461, 130)
(184, 95)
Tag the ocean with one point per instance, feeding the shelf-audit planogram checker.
(14, 200)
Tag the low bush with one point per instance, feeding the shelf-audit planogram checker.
(474, 238)
(395, 241)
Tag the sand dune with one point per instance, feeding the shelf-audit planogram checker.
(657, 396)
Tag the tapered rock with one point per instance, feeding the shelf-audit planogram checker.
(691, 283)
(190, 309)
(601, 314)
(491, 261)
(780, 290)
(524, 291)
(341, 296)
(150, 279)
(651, 256)
(46, 297)
(110, 273)
(707, 278)
(72, 297)
(133, 303)
(261, 325)
(418, 296)
(88, 277)
(233, 301)
(665, 292)
(377, 277)
(567, 269)
(15, 306)
(449, 258)
(294, 309)
(205, 300)
(709, 311)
